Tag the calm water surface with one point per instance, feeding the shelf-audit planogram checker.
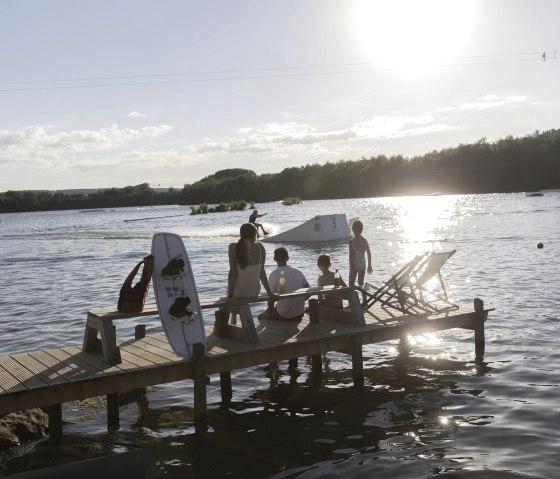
(432, 414)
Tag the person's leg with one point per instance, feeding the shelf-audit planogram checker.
(361, 277)
(269, 308)
(273, 314)
(352, 277)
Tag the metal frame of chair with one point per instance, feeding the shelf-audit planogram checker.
(407, 291)
(393, 293)
(430, 299)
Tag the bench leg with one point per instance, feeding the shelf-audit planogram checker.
(90, 335)
(111, 353)
(248, 323)
(247, 331)
(108, 334)
(356, 308)
(313, 311)
(221, 324)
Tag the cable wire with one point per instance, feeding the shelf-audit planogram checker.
(255, 77)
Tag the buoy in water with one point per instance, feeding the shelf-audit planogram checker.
(540, 246)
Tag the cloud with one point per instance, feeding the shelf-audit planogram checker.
(492, 101)
(267, 147)
(40, 137)
(91, 148)
(135, 114)
(395, 126)
(275, 138)
(39, 143)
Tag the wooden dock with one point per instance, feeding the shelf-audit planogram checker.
(49, 378)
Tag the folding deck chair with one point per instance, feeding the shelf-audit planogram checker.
(410, 290)
(395, 291)
(432, 298)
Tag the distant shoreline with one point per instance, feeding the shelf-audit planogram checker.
(508, 165)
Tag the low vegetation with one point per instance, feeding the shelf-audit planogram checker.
(291, 200)
(221, 208)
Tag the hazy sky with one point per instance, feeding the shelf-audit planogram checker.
(106, 93)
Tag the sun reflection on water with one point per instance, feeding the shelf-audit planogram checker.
(421, 222)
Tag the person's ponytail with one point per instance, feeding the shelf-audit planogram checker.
(248, 232)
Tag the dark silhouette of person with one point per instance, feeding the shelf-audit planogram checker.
(253, 220)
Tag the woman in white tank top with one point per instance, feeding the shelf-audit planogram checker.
(246, 265)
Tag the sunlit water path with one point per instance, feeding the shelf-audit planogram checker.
(423, 416)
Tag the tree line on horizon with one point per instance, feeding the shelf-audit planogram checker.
(508, 165)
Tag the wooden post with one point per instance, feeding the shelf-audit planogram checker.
(357, 362)
(479, 341)
(116, 355)
(220, 326)
(113, 414)
(199, 377)
(316, 367)
(404, 346)
(313, 311)
(225, 386)
(55, 423)
(113, 411)
(140, 331)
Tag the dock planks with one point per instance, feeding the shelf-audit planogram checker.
(54, 376)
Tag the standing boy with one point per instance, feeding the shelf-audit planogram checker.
(358, 249)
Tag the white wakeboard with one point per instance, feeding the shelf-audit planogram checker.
(176, 294)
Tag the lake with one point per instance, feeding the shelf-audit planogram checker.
(434, 413)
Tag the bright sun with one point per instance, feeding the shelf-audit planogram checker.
(412, 33)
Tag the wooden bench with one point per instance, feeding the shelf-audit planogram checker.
(100, 320)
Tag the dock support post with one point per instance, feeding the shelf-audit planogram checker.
(113, 421)
(316, 363)
(404, 346)
(357, 362)
(479, 341)
(199, 376)
(55, 423)
(316, 369)
(225, 386)
(139, 333)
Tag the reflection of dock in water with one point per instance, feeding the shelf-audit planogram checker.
(49, 378)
